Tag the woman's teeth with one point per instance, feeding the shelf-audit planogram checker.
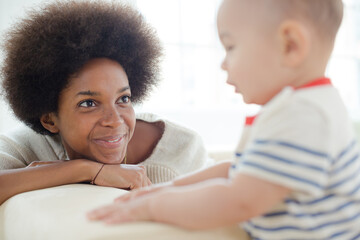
(115, 140)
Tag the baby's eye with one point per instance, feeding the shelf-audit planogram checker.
(87, 103)
(229, 48)
(124, 99)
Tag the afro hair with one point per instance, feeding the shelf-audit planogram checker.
(45, 49)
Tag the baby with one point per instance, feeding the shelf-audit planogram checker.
(296, 175)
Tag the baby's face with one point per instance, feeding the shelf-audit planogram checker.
(252, 58)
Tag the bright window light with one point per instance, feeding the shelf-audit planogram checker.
(193, 91)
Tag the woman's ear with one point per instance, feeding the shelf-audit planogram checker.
(49, 123)
(295, 42)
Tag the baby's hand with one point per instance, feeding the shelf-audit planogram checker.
(120, 212)
(141, 192)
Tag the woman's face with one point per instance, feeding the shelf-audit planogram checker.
(96, 119)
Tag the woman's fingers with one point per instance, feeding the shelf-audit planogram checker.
(123, 176)
(42, 163)
(146, 182)
(149, 183)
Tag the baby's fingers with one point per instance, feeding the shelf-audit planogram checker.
(123, 198)
(110, 214)
(116, 219)
(100, 213)
(131, 195)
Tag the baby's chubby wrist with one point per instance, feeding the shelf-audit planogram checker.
(156, 201)
(152, 206)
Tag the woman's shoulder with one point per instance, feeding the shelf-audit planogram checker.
(21, 135)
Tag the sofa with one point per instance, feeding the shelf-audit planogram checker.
(59, 213)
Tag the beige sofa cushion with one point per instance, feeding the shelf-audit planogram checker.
(59, 213)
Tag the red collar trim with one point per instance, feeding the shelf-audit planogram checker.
(317, 82)
(249, 120)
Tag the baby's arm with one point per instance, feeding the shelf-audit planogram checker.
(219, 170)
(208, 204)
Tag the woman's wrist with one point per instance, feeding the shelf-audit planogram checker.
(87, 169)
(97, 174)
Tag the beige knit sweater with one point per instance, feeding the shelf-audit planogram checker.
(178, 152)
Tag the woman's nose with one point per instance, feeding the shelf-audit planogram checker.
(112, 118)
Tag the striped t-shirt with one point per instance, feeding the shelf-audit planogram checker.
(303, 139)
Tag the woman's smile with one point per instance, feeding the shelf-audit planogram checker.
(111, 142)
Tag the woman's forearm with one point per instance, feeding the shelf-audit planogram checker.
(15, 181)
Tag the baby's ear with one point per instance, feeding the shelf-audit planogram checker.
(295, 42)
(48, 121)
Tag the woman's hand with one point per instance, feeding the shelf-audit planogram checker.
(123, 176)
(43, 163)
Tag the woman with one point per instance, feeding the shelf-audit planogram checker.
(71, 73)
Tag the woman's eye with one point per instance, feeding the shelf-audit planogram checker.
(87, 103)
(124, 99)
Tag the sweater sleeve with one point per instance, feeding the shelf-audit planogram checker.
(179, 151)
(22, 146)
(13, 153)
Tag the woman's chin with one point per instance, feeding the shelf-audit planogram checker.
(109, 157)
(110, 160)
